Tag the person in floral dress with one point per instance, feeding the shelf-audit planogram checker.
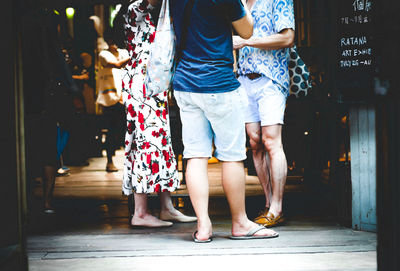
(150, 164)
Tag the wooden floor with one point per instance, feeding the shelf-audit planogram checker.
(91, 231)
(94, 182)
(302, 245)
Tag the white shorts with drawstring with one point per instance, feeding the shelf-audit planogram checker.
(266, 102)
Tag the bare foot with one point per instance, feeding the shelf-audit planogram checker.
(175, 215)
(243, 229)
(204, 230)
(149, 221)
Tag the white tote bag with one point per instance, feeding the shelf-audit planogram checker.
(108, 91)
(160, 67)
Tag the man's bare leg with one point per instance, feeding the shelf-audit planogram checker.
(272, 140)
(269, 183)
(233, 182)
(197, 185)
(260, 159)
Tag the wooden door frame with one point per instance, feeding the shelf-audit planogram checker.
(13, 255)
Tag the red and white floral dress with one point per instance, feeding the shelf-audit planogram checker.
(150, 164)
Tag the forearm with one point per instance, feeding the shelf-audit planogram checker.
(122, 63)
(281, 40)
(119, 64)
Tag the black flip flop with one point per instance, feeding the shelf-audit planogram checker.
(250, 235)
(200, 241)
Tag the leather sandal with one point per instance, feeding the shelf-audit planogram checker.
(269, 220)
(261, 215)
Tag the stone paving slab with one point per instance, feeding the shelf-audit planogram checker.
(355, 261)
(304, 244)
(182, 242)
(212, 251)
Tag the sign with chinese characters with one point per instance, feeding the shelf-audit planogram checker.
(355, 55)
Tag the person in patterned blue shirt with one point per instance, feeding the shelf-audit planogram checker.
(263, 72)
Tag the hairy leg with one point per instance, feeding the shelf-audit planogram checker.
(272, 140)
(260, 159)
(233, 182)
(197, 184)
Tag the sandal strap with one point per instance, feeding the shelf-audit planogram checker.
(255, 230)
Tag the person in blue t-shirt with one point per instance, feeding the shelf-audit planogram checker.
(211, 103)
(263, 72)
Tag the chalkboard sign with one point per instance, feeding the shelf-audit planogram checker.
(355, 56)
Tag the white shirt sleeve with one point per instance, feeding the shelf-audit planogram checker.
(106, 57)
(123, 53)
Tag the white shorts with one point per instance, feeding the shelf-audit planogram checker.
(208, 117)
(266, 103)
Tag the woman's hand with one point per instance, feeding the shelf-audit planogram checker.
(238, 42)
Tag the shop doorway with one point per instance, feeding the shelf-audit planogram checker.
(316, 134)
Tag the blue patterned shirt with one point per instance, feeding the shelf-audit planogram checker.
(270, 17)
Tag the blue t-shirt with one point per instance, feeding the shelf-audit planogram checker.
(207, 62)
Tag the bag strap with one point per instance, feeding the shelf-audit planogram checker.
(185, 27)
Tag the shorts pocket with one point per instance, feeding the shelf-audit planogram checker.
(180, 99)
